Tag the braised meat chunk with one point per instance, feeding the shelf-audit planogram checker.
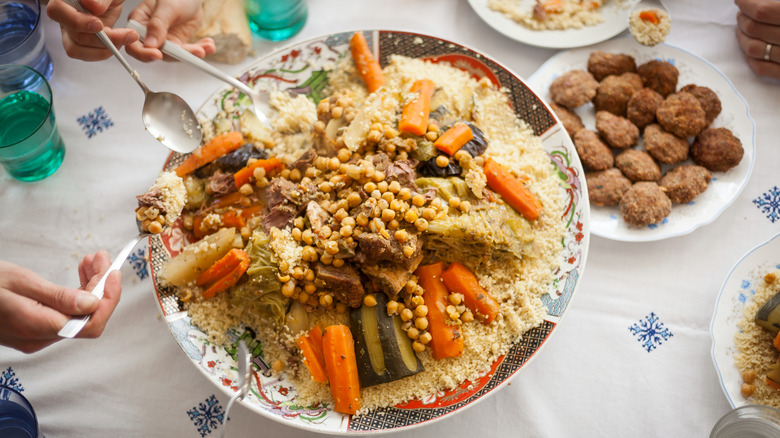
(686, 182)
(343, 282)
(717, 149)
(645, 204)
(573, 89)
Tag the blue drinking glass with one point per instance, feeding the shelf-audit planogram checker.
(17, 417)
(276, 20)
(21, 36)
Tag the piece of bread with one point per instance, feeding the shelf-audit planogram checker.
(225, 22)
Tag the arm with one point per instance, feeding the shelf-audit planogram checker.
(33, 310)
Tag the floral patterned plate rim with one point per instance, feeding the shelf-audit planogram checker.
(724, 187)
(303, 68)
(738, 288)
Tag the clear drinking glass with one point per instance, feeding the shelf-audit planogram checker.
(30, 144)
(749, 421)
(276, 20)
(21, 36)
(17, 417)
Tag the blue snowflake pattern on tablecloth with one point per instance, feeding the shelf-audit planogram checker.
(650, 332)
(769, 204)
(139, 263)
(8, 378)
(207, 416)
(95, 122)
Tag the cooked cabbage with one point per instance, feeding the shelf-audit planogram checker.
(262, 290)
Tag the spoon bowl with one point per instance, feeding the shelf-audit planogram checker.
(165, 115)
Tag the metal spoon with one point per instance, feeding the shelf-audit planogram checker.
(166, 116)
(244, 375)
(74, 326)
(259, 100)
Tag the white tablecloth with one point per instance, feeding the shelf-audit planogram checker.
(592, 378)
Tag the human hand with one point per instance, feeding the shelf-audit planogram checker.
(78, 29)
(758, 35)
(34, 310)
(175, 20)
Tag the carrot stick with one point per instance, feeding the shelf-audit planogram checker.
(650, 17)
(511, 189)
(228, 280)
(244, 175)
(215, 148)
(231, 198)
(250, 212)
(311, 348)
(414, 118)
(776, 342)
(459, 279)
(446, 339)
(367, 66)
(454, 138)
(232, 219)
(197, 227)
(222, 267)
(338, 349)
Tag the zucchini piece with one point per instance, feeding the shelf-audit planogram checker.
(768, 316)
(773, 377)
(383, 350)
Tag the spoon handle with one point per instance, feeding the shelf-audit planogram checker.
(74, 326)
(110, 45)
(175, 51)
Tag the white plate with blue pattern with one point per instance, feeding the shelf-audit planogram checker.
(725, 186)
(738, 288)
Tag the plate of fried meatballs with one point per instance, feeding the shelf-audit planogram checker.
(666, 141)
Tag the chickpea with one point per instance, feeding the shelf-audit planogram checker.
(334, 163)
(246, 189)
(326, 259)
(326, 300)
(425, 338)
(421, 323)
(295, 175)
(338, 263)
(388, 215)
(392, 307)
(369, 187)
(288, 288)
(376, 194)
(418, 200)
(401, 236)
(396, 205)
(407, 315)
(431, 136)
(411, 215)
(309, 254)
(454, 202)
(299, 222)
(382, 186)
(413, 333)
(442, 161)
(747, 390)
(297, 234)
(421, 225)
(285, 174)
(388, 196)
(429, 213)
(467, 316)
(321, 163)
(346, 231)
(421, 310)
(455, 299)
(331, 247)
(308, 236)
(303, 297)
(325, 187)
(418, 346)
(325, 231)
(379, 176)
(393, 224)
(308, 274)
(319, 126)
(361, 220)
(465, 206)
(408, 251)
(297, 273)
(337, 112)
(749, 376)
(155, 227)
(309, 288)
(340, 215)
(369, 300)
(278, 366)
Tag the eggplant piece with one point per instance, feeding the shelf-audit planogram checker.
(475, 147)
(774, 375)
(232, 161)
(768, 316)
(383, 350)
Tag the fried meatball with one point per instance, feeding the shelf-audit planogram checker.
(645, 203)
(614, 92)
(606, 187)
(573, 89)
(717, 149)
(683, 183)
(571, 121)
(592, 151)
(616, 131)
(659, 76)
(637, 165)
(681, 114)
(602, 64)
(642, 106)
(666, 148)
(708, 100)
